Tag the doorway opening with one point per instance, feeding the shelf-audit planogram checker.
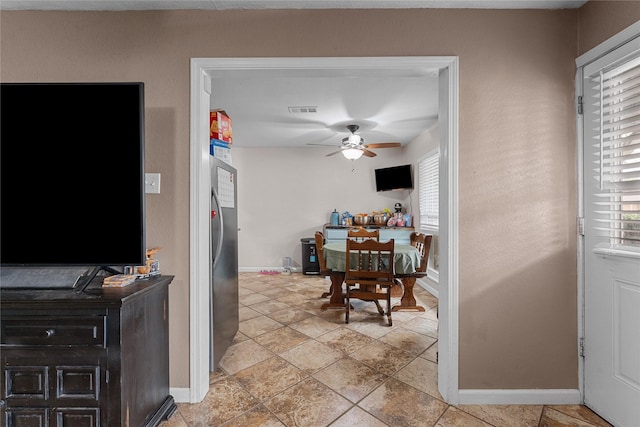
(202, 70)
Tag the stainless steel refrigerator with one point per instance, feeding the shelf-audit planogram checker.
(224, 260)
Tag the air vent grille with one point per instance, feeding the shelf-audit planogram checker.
(303, 109)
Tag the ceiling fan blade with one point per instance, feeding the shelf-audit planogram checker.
(384, 145)
(335, 152)
(368, 153)
(323, 145)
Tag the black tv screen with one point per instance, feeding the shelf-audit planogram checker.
(394, 178)
(72, 174)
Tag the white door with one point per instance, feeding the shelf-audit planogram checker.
(611, 203)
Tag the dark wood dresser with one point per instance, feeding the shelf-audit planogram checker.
(96, 358)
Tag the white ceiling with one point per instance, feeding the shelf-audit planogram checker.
(389, 106)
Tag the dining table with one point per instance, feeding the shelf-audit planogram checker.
(406, 261)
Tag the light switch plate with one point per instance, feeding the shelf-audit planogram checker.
(152, 183)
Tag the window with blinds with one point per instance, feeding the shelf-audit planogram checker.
(615, 115)
(428, 187)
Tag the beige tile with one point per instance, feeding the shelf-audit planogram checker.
(398, 404)
(431, 353)
(243, 355)
(421, 374)
(506, 415)
(454, 417)
(266, 307)
(256, 417)
(281, 339)
(175, 420)
(423, 326)
(308, 403)
(254, 298)
(345, 340)
(383, 357)
(374, 325)
(225, 400)
(246, 313)
(314, 326)
(311, 356)
(293, 298)
(258, 326)
(239, 337)
(351, 378)
(581, 413)
(269, 377)
(217, 375)
(554, 418)
(407, 340)
(356, 417)
(290, 315)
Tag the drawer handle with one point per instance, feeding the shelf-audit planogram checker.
(49, 333)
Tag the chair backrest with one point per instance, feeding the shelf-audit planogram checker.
(422, 242)
(369, 262)
(319, 245)
(360, 234)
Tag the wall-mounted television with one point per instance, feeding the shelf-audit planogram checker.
(394, 178)
(72, 176)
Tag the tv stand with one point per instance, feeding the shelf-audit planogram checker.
(86, 359)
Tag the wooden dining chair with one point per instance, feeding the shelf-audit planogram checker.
(369, 273)
(422, 242)
(322, 263)
(360, 234)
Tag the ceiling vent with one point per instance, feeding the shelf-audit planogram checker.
(303, 109)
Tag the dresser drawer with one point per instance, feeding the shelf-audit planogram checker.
(61, 331)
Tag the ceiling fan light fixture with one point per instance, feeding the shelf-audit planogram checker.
(352, 153)
(354, 139)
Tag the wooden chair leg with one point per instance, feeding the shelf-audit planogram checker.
(389, 306)
(348, 306)
(380, 310)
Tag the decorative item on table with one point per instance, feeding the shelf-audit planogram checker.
(335, 218)
(347, 219)
(408, 220)
(286, 266)
(398, 207)
(151, 267)
(118, 280)
(380, 218)
(362, 219)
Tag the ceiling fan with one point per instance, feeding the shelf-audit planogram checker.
(353, 146)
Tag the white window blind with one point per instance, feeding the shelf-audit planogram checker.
(615, 114)
(428, 187)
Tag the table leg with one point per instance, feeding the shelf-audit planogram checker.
(408, 301)
(336, 298)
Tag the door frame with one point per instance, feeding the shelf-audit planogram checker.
(609, 45)
(202, 69)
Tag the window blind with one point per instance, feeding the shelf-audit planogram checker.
(428, 185)
(615, 114)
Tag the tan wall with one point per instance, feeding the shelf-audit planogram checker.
(602, 19)
(517, 182)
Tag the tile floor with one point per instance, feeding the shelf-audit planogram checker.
(292, 364)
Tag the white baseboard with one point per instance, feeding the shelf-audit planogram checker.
(520, 397)
(429, 286)
(180, 395)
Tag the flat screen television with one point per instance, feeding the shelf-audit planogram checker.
(394, 178)
(71, 177)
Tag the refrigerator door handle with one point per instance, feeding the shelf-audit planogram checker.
(221, 237)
